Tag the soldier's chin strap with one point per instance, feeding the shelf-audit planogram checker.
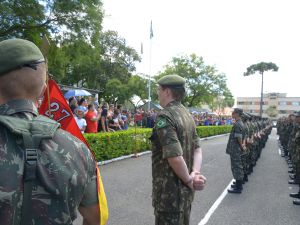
(31, 144)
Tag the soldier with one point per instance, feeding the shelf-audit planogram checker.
(236, 148)
(176, 156)
(59, 171)
(296, 156)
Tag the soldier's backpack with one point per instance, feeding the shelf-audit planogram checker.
(32, 131)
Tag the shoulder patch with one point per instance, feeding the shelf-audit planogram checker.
(161, 122)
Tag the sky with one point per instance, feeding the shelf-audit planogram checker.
(230, 34)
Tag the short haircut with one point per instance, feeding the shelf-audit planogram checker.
(178, 93)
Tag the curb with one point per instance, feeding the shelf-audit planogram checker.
(148, 152)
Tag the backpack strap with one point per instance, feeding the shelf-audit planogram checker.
(32, 131)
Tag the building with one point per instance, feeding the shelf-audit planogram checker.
(276, 103)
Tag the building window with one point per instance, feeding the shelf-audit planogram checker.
(282, 111)
(282, 103)
(241, 103)
(295, 103)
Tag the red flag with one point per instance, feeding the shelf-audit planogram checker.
(61, 112)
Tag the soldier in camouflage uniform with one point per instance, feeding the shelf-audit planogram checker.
(176, 156)
(65, 169)
(235, 149)
(296, 155)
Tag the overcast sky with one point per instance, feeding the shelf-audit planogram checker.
(230, 34)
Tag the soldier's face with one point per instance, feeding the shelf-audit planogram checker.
(162, 94)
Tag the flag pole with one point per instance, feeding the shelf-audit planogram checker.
(150, 61)
(45, 51)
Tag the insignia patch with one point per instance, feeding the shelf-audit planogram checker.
(162, 122)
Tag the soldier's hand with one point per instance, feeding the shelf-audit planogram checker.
(199, 181)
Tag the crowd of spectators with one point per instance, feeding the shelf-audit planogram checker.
(92, 117)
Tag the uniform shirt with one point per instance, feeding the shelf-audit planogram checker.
(174, 134)
(66, 177)
(236, 132)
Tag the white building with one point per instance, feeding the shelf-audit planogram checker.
(284, 105)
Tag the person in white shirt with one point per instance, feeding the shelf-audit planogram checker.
(81, 122)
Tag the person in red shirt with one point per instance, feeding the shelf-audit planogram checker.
(92, 118)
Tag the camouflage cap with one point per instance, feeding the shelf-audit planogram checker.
(238, 111)
(15, 53)
(297, 113)
(172, 80)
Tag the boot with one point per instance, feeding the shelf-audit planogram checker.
(293, 181)
(292, 176)
(237, 189)
(296, 201)
(291, 171)
(295, 195)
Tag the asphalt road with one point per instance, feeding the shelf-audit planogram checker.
(264, 200)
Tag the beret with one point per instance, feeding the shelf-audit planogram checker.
(172, 80)
(238, 111)
(14, 53)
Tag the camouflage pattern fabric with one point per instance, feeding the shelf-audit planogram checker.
(234, 150)
(174, 135)
(65, 171)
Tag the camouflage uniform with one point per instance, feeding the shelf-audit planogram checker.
(235, 151)
(174, 135)
(65, 172)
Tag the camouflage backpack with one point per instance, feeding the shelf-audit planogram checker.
(32, 131)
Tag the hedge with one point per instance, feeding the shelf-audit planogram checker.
(112, 145)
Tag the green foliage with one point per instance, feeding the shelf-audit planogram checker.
(272, 111)
(112, 145)
(66, 19)
(204, 82)
(261, 68)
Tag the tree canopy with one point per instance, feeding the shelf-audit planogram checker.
(204, 82)
(261, 68)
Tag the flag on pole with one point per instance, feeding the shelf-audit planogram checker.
(61, 112)
(151, 31)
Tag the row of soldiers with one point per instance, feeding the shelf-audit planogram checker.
(288, 129)
(247, 139)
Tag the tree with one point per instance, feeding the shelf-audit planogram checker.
(261, 68)
(63, 19)
(204, 82)
(272, 111)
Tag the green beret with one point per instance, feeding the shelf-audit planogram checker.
(172, 80)
(14, 53)
(238, 111)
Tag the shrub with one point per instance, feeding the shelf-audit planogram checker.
(112, 145)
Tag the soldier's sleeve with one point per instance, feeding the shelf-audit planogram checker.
(238, 132)
(168, 138)
(90, 196)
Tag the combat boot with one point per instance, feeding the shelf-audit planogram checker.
(292, 176)
(295, 195)
(296, 201)
(291, 170)
(237, 189)
(294, 181)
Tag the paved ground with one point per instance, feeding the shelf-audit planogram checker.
(264, 200)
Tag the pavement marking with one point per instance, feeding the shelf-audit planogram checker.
(214, 206)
